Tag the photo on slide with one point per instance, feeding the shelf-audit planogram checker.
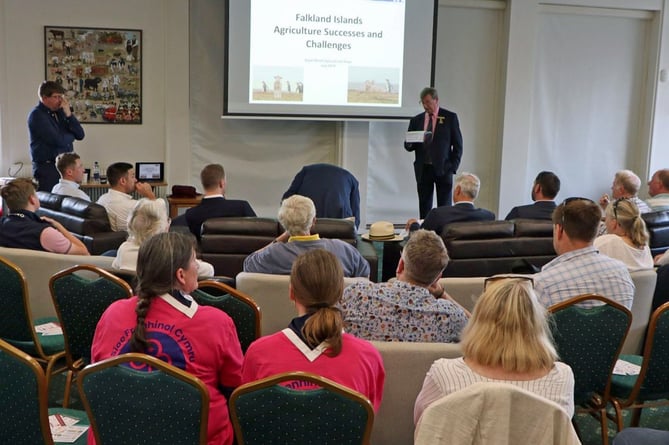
(373, 85)
(277, 83)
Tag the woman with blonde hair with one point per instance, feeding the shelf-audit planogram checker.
(507, 340)
(626, 238)
(314, 341)
(146, 219)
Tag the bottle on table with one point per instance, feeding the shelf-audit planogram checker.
(96, 172)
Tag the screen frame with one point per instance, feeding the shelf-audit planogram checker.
(139, 165)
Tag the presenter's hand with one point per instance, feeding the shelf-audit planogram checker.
(407, 227)
(65, 105)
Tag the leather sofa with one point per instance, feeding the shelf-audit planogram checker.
(657, 224)
(226, 242)
(485, 248)
(88, 221)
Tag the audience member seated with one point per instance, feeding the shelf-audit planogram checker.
(22, 228)
(297, 216)
(544, 190)
(658, 189)
(333, 190)
(579, 267)
(641, 436)
(507, 340)
(146, 219)
(467, 186)
(627, 238)
(214, 204)
(117, 201)
(626, 184)
(314, 341)
(71, 174)
(162, 316)
(414, 307)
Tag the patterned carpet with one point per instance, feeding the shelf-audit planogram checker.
(650, 418)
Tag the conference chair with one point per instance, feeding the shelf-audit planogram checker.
(138, 399)
(270, 411)
(80, 295)
(24, 412)
(589, 340)
(17, 326)
(651, 386)
(494, 413)
(245, 313)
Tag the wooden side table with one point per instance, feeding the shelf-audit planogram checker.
(177, 203)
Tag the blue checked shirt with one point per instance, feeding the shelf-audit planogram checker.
(584, 271)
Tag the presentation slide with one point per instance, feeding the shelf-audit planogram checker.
(328, 59)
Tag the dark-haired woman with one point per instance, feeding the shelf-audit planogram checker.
(164, 321)
(314, 341)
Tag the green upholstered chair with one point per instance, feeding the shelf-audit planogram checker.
(24, 412)
(266, 412)
(651, 386)
(80, 295)
(17, 326)
(138, 399)
(244, 312)
(589, 340)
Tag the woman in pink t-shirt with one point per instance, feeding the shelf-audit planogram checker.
(314, 341)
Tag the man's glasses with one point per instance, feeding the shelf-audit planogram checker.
(495, 278)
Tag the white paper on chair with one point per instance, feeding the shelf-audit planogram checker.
(63, 428)
(49, 329)
(626, 368)
(415, 136)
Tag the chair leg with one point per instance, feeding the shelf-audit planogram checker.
(68, 388)
(636, 416)
(619, 415)
(605, 428)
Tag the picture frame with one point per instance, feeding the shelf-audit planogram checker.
(100, 69)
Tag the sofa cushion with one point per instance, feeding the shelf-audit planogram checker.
(533, 228)
(342, 229)
(657, 224)
(478, 230)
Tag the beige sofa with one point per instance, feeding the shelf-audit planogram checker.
(38, 267)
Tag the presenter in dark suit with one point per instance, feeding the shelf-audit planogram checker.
(438, 156)
(333, 190)
(214, 204)
(467, 186)
(544, 190)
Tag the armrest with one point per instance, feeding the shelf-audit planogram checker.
(368, 251)
(103, 241)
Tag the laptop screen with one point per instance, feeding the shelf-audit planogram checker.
(150, 171)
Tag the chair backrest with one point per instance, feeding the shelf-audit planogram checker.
(23, 412)
(653, 378)
(494, 413)
(589, 340)
(15, 316)
(80, 302)
(266, 411)
(244, 312)
(139, 399)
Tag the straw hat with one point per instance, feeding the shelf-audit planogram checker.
(381, 231)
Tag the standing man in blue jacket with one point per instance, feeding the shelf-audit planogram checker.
(438, 156)
(53, 128)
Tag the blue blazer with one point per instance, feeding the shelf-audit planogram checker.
(215, 208)
(333, 190)
(537, 210)
(458, 212)
(446, 146)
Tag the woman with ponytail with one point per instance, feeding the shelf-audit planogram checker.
(627, 238)
(314, 341)
(164, 321)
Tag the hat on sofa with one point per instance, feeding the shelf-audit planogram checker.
(382, 231)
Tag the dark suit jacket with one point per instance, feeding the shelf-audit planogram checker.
(333, 190)
(445, 148)
(458, 212)
(537, 210)
(215, 208)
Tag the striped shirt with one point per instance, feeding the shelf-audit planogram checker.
(584, 271)
(447, 376)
